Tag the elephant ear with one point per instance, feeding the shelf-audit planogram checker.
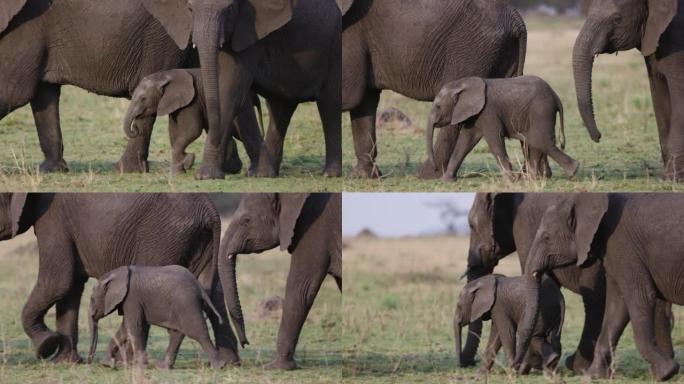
(470, 100)
(344, 5)
(291, 205)
(258, 18)
(660, 15)
(484, 292)
(174, 16)
(178, 90)
(586, 217)
(116, 288)
(9, 9)
(18, 213)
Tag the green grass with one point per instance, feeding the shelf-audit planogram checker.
(259, 277)
(627, 159)
(399, 308)
(94, 142)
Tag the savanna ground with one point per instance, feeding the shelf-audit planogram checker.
(627, 159)
(259, 277)
(399, 302)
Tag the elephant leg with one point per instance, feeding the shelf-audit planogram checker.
(303, 282)
(134, 158)
(444, 147)
(195, 327)
(226, 343)
(272, 155)
(491, 350)
(119, 349)
(660, 94)
(594, 304)
(615, 320)
(674, 169)
(232, 164)
(664, 321)
(506, 331)
(138, 330)
(537, 163)
(497, 146)
(175, 340)
(182, 134)
(330, 109)
(67, 322)
(45, 107)
(468, 139)
(250, 135)
(363, 131)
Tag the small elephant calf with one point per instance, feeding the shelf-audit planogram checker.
(523, 108)
(503, 300)
(169, 297)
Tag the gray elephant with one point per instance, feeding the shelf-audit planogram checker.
(655, 28)
(169, 297)
(502, 300)
(47, 44)
(286, 50)
(414, 48)
(522, 108)
(637, 238)
(505, 223)
(308, 226)
(87, 235)
(179, 94)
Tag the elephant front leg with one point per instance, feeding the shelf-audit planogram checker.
(226, 343)
(444, 146)
(137, 329)
(119, 350)
(250, 135)
(330, 109)
(271, 155)
(468, 141)
(182, 132)
(175, 340)
(674, 166)
(363, 131)
(493, 346)
(45, 107)
(615, 319)
(67, 323)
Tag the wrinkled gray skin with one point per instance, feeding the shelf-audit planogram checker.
(502, 299)
(87, 235)
(522, 108)
(308, 226)
(415, 47)
(179, 94)
(656, 28)
(506, 223)
(286, 50)
(637, 238)
(46, 44)
(169, 297)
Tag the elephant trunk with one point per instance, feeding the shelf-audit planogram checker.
(93, 339)
(430, 132)
(130, 127)
(467, 357)
(457, 334)
(226, 269)
(583, 64)
(529, 318)
(208, 47)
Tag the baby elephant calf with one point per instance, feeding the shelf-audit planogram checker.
(169, 297)
(523, 108)
(503, 300)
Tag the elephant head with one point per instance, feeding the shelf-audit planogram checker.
(455, 103)
(261, 222)
(611, 26)
(108, 295)
(15, 215)
(474, 304)
(161, 93)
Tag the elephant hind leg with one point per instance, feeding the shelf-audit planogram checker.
(67, 323)
(226, 343)
(271, 156)
(45, 107)
(365, 140)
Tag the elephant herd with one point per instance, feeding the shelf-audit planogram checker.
(620, 252)
(92, 235)
(340, 54)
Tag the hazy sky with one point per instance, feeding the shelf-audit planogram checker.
(397, 214)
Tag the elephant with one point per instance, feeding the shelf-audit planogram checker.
(105, 50)
(523, 107)
(502, 224)
(501, 299)
(308, 226)
(286, 50)
(635, 236)
(87, 235)
(655, 28)
(179, 94)
(168, 297)
(379, 52)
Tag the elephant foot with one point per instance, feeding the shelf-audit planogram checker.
(665, 370)
(333, 171)
(447, 178)
(597, 371)
(209, 172)
(188, 161)
(571, 172)
(228, 357)
(108, 362)
(54, 166)
(163, 365)
(232, 166)
(179, 168)
(217, 364)
(428, 172)
(49, 345)
(577, 364)
(266, 172)
(365, 171)
(285, 365)
(129, 166)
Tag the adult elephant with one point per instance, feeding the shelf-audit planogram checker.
(308, 226)
(287, 50)
(656, 28)
(502, 224)
(86, 235)
(106, 50)
(639, 241)
(414, 48)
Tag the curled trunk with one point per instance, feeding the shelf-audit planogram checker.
(130, 127)
(583, 64)
(93, 340)
(430, 132)
(226, 269)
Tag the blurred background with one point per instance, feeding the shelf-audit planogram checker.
(553, 7)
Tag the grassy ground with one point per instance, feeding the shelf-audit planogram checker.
(94, 142)
(399, 305)
(260, 277)
(627, 159)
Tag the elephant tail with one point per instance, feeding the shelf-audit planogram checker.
(559, 107)
(520, 31)
(210, 305)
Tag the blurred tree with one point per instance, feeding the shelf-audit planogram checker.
(453, 216)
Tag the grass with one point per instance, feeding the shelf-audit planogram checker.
(399, 308)
(627, 159)
(259, 277)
